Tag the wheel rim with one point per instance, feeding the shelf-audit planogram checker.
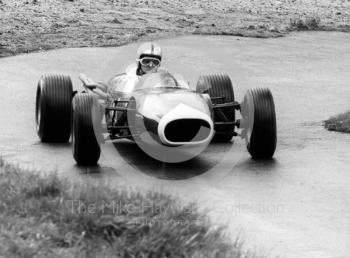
(73, 136)
(38, 116)
(248, 117)
(248, 135)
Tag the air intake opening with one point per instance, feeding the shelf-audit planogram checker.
(187, 130)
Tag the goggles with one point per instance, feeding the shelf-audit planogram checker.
(146, 61)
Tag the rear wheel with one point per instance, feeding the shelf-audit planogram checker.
(259, 123)
(86, 147)
(53, 108)
(220, 89)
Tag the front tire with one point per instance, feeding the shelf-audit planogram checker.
(259, 123)
(53, 108)
(86, 147)
(220, 89)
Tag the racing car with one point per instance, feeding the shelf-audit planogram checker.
(162, 106)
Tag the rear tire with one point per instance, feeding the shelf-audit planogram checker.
(258, 111)
(86, 147)
(220, 89)
(53, 108)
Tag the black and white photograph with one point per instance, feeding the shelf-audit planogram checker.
(175, 128)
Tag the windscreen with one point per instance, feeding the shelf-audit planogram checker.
(161, 79)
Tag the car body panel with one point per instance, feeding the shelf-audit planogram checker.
(160, 99)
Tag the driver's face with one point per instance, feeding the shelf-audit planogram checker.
(148, 66)
(149, 69)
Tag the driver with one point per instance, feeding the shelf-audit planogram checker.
(149, 57)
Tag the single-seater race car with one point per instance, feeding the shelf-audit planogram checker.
(161, 110)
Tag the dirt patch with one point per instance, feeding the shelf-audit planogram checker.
(34, 25)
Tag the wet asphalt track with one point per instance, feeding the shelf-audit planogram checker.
(296, 205)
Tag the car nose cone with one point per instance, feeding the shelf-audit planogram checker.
(185, 125)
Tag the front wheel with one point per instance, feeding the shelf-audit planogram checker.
(86, 147)
(259, 123)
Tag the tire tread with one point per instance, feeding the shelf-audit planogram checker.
(86, 148)
(264, 134)
(56, 102)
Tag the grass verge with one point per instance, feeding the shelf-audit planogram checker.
(339, 123)
(46, 216)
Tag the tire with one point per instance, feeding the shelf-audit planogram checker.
(219, 85)
(86, 147)
(259, 123)
(53, 108)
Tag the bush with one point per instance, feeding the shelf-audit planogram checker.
(307, 23)
(339, 123)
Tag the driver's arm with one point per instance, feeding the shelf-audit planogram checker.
(89, 83)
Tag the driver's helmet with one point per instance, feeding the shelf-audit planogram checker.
(149, 56)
